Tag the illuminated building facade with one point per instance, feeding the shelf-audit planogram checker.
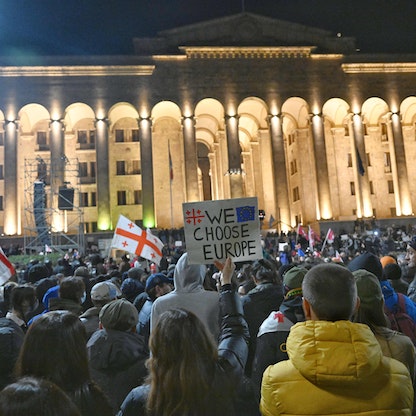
(239, 106)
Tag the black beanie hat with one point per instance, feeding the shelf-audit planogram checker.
(367, 261)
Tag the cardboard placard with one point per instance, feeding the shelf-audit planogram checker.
(215, 230)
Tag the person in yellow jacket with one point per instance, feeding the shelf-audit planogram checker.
(335, 366)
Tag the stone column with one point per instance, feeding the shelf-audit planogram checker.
(280, 173)
(57, 170)
(102, 175)
(399, 170)
(191, 159)
(234, 157)
(364, 207)
(146, 154)
(11, 206)
(321, 168)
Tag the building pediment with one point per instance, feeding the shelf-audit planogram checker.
(244, 29)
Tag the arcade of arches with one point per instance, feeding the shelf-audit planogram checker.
(303, 163)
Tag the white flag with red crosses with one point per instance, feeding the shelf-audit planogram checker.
(130, 237)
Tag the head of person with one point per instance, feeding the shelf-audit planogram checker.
(371, 309)
(35, 397)
(329, 293)
(392, 271)
(367, 261)
(55, 349)
(158, 284)
(23, 300)
(385, 260)
(292, 281)
(131, 288)
(411, 253)
(119, 315)
(136, 273)
(37, 271)
(180, 345)
(104, 292)
(82, 271)
(188, 276)
(72, 288)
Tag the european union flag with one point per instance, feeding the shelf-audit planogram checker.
(245, 214)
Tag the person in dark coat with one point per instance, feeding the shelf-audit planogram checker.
(259, 302)
(158, 284)
(101, 294)
(212, 373)
(116, 353)
(273, 332)
(11, 340)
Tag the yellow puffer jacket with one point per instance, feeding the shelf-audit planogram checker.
(335, 368)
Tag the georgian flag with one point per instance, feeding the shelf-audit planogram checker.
(6, 268)
(130, 237)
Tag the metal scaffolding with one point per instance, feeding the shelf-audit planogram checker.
(53, 218)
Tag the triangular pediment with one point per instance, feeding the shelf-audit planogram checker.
(244, 29)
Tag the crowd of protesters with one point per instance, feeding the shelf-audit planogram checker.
(128, 337)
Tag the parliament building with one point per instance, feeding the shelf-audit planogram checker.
(239, 106)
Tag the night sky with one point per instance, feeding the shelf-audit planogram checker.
(107, 27)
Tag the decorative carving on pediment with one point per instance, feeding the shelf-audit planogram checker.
(244, 29)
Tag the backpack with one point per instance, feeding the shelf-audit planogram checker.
(400, 320)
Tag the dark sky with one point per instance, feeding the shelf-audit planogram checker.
(100, 27)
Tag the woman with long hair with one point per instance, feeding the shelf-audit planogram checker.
(55, 349)
(188, 373)
(35, 397)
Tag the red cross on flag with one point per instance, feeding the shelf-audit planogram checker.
(130, 237)
(6, 268)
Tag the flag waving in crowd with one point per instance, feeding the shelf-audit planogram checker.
(130, 237)
(301, 232)
(330, 236)
(6, 268)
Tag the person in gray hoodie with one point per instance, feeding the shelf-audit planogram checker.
(189, 294)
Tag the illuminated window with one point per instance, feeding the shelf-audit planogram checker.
(83, 169)
(86, 139)
(121, 198)
(42, 140)
(295, 192)
(119, 134)
(137, 197)
(384, 137)
(135, 135)
(352, 188)
(83, 199)
(92, 169)
(136, 167)
(390, 187)
(293, 167)
(387, 162)
(82, 136)
(121, 167)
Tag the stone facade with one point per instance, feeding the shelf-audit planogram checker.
(240, 106)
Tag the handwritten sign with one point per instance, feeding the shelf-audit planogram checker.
(215, 230)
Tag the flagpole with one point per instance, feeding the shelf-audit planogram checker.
(170, 185)
(324, 243)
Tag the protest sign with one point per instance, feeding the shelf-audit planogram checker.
(215, 230)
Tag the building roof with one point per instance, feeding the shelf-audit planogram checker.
(244, 29)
